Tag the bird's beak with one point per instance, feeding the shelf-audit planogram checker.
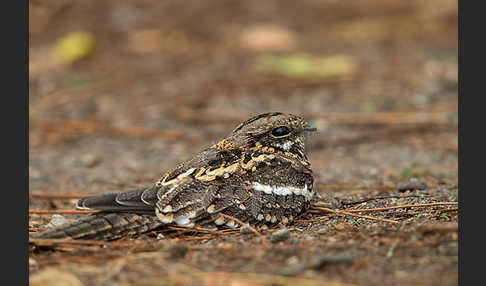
(309, 127)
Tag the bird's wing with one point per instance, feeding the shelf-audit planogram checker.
(138, 201)
(179, 193)
(143, 200)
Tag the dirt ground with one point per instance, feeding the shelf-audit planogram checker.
(157, 81)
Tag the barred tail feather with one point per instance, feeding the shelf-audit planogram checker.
(103, 225)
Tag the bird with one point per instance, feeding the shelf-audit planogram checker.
(259, 174)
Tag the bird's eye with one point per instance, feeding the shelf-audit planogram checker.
(281, 131)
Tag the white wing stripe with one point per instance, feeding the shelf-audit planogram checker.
(283, 191)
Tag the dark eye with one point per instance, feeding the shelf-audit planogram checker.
(281, 131)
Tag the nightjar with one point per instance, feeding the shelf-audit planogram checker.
(259, 174)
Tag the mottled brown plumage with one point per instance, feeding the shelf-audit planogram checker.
(258, 174)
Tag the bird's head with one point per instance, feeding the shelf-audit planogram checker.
(284, 132)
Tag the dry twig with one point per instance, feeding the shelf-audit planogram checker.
(355, 215)
(62, 211)
(403, 206)
(429, 211)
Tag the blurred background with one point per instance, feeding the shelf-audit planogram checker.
(121, 91)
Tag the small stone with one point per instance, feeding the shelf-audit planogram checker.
(280, 235)
(339, 227)
(34, 173)
(308, 237)
(32, 262)
(322, 261)
(257, 240)
(412, 184)
(56, 220)
(442, 181)
(373, 172)
(245, 230)
(211, 242)
(160, 236)
(90, 160)
(177, 251)
(293, 260)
